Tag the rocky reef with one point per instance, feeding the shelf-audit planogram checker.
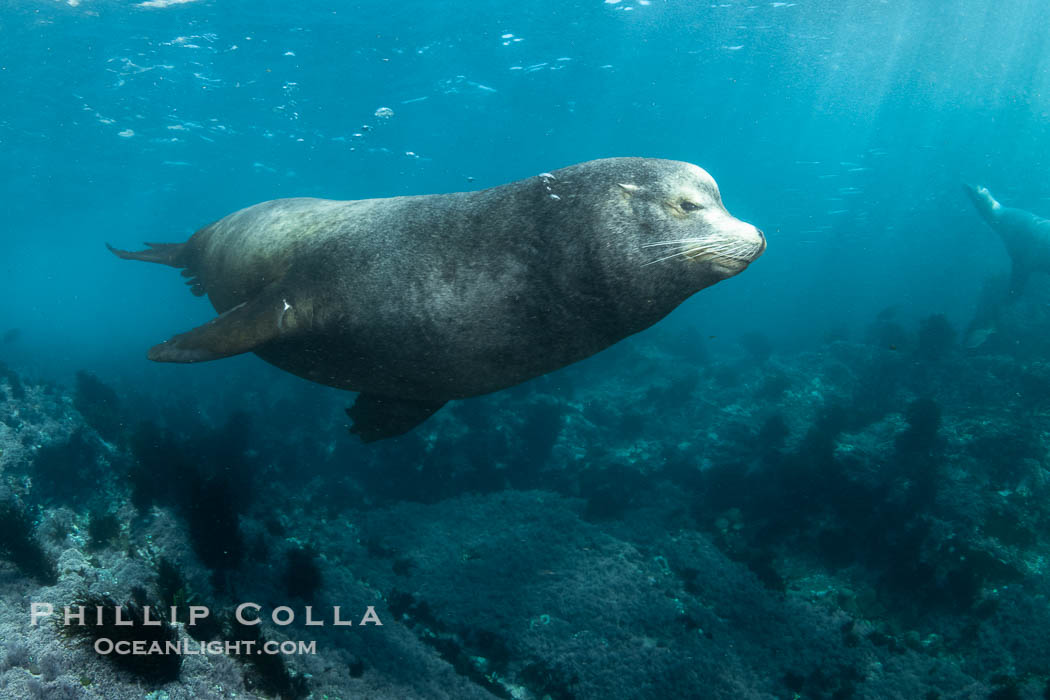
(669, 519)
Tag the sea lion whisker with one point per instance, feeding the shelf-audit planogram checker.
(666, 257)
(733, 244)
(739, 253)
(681, 240)
(728, 249)
(696, 252)
(736, 250)
(746, 247)
(723, 244)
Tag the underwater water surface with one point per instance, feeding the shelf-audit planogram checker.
(825, 477)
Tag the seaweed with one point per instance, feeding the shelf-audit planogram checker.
(886, 332)
(1006, 688)
(876, 392)
(158, 474)
(214, 523)
(773, 434)
(102, 529)
(936, 337)
(270, 674)
(171, 584)
(99, 405)
(302, 576)
(69, 472)
(14, 382)
(773, 386)
(1003, 446)
(610, 492)
(547, 681)
(173, 590)
(919, 439)
(19, 546)
(206, 480)
(155, 669)
(432, 631)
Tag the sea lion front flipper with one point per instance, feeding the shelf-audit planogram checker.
(243, 328)
(379, 417)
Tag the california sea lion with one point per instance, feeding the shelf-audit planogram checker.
(414, 301)
(1025, 235)
(1027, 241)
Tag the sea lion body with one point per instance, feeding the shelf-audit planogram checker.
(1025, 236)
(414, 301)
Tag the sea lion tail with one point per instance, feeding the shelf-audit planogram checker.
(173, 254)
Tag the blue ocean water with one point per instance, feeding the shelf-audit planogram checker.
(837, 370)
(842, 129)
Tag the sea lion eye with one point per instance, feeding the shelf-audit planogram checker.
(690, 206)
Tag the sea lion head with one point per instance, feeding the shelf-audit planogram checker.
(674, 224)
(984, 201)
(643, 234)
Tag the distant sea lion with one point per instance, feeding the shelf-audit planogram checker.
(414, 301)
(1027, 241)
(1025, 235)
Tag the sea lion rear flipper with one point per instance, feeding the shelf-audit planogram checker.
(379, 417)
(243, 328)
(173, 254)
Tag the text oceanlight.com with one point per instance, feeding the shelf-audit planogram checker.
(185, 647)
